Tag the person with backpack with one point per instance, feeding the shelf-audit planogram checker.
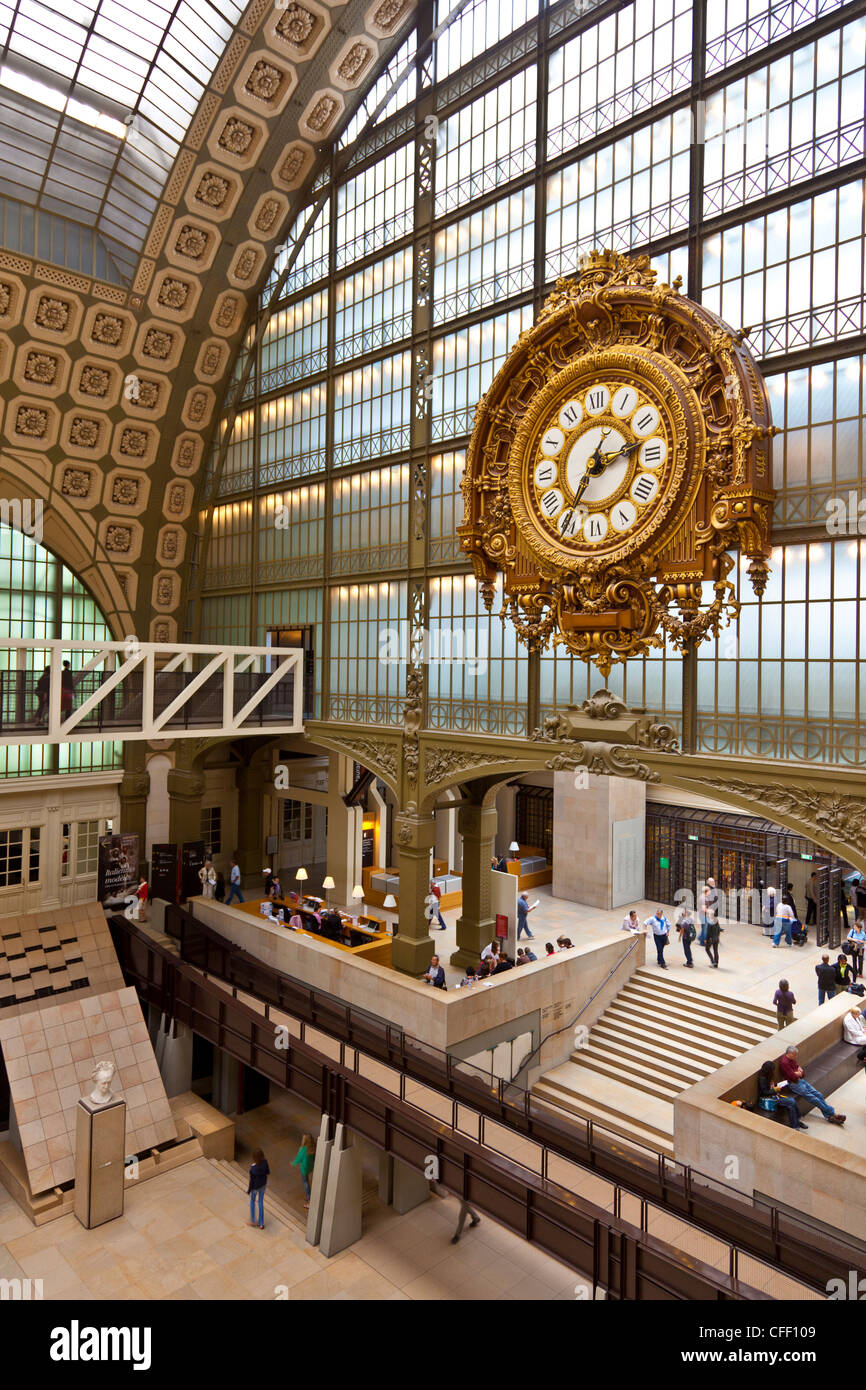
(686, 933)
(711, 945)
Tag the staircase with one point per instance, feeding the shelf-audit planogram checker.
(275, 1209)
(657, 1038)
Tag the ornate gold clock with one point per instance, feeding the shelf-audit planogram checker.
(622, 451)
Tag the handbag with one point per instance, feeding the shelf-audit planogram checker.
(769, 1104)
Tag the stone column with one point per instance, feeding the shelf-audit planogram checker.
(185, 789)
(50, 853)
(412, 949)
(343, 852)
(599, 837)
(477, 826)
(252, 832)
(133, 791)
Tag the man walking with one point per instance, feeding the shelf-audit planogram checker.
(792, 1072)
(707, 902)
(523, 911)
(234, 884)
(465, 1210)
(711, 945)
(660, 927)
(826, 979)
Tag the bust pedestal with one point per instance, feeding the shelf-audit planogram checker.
(100, 1134)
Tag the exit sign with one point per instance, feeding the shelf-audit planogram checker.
(664, 863)
(693, 837)
(805, 856)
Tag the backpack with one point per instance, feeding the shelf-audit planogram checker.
(690, 933)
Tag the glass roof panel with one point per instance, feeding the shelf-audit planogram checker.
(73, 75)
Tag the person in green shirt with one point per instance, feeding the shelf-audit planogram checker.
(304, 1160)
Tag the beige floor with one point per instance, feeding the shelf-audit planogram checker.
(184, 1235)
(749, 967)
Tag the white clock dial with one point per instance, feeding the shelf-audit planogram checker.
(571, 415)
(570, 522)
(596, 400)
(595, 527)
(551, 502)
(623, 515)
(645, 421)
(644, 488)
(545, 473)
(624, 401)
(607, 483)
(653, 453)
(552, 441)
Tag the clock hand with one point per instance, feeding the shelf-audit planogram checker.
(626, 449)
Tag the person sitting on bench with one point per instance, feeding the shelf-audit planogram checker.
(770, 1098)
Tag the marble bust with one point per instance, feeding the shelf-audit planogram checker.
(102, 1075)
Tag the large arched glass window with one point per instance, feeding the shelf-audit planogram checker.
(41, 598)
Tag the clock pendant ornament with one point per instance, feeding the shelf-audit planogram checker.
(622, 451)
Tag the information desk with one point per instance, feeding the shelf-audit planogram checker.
(366, 938)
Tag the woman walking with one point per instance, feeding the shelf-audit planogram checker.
(304, 1160)
(259, 1174)
(784, 1002)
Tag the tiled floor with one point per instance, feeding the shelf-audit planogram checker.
(184, 1235)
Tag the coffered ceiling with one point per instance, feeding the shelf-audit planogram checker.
(110, 392)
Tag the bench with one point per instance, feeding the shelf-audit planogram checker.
(830, 1070)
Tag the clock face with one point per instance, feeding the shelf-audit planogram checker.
(599, 463)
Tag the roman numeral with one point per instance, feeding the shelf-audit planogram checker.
(550, 503)
(595, 399)
(643, 489)
(644, 421)
(570, 416)
(595, 527)
(652, 451)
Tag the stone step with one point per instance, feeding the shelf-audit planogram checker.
(684, 1072)
(698, 1033)
(608, 1118)
(650, 1082)
(735, 1003)
(687, 1050)
(275, 1206)
(680, 1006)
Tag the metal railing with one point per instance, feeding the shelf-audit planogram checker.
(568, 1027)
(739, 1220)
(622, 1257)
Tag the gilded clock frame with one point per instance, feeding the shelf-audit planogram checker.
(685, 428)
(631, 597)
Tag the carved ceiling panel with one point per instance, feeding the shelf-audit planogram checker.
(110, 395)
